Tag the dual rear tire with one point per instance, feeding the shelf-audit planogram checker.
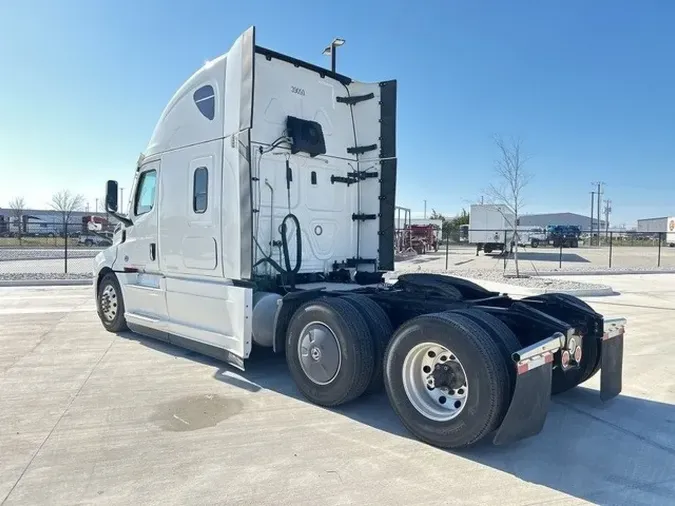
(447, 375)
(335, 347)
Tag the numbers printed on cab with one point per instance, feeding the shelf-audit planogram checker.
(299, 91)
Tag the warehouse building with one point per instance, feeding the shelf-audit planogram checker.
(543, 220)
(45, 222)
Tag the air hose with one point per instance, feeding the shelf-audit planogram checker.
(287, 274)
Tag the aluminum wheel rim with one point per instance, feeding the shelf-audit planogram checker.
(435, 382)
(319, 353)
(109, 303)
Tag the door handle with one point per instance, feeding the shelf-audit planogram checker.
(153, 251)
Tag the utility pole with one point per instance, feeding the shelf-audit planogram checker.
(600, 184)
(425, 209)
(96, 210)
(608, 210)
(121, 200)
(592, 205)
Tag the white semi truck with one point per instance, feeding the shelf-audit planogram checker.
(262, 215)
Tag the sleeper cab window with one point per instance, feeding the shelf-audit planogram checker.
(145, 194)
(205, 100)
(200, 190)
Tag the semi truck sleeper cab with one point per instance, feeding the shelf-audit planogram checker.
(262, 215)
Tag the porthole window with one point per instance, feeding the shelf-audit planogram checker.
(205, 100)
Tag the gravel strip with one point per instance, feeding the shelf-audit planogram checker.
(536, 282)
(599, 270)
(43, 276)
(44, 254)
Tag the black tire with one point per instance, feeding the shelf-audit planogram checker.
(356, 351)
(117, 323)
(534, 243)
(88, 242)
(485, 369)
(380, 328)
(502, 335)
(487, 249)
(426, 283)
(467, 289)
(575, 243)
(590, 352)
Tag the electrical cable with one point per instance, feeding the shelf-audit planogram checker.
(289, 272)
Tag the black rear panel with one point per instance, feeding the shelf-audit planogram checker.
(388, 175)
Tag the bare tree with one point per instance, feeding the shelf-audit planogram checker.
(66, 203)
(18, 205)
(513, 178)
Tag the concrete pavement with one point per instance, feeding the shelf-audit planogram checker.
(91, 417)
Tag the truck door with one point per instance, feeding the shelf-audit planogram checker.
(142, 282)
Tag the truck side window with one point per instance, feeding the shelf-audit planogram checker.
(145, 193)
(200, 190)
(205, 100)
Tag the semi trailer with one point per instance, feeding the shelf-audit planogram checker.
(491, 227)
(262, 215)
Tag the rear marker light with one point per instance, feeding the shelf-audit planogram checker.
(565, 358)
(577, 355)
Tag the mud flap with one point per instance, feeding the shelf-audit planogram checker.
(611, 358)
(529, 405)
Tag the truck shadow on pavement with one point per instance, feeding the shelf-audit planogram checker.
(548, 256)
(620, 452)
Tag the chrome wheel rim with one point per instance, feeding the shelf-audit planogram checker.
(109, 303)
(319, 353)
(435, 382)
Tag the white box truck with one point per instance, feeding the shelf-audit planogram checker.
(491, 227)
(262, 215)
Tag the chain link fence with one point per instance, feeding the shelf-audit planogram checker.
(539, 251)
(54, 250)
(66, 251)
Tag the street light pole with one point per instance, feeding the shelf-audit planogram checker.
(330, 50)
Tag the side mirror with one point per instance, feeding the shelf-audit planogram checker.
(111, 196)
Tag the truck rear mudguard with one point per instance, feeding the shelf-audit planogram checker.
(534, 365)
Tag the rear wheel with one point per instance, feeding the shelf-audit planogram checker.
(502, 335)
(381, 330)
(534, 243)
(329, 351)
(431, 284)
(110, 304)
(446, 379)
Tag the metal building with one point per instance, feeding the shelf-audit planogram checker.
(543, 220)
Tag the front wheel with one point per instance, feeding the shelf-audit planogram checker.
(110, 304)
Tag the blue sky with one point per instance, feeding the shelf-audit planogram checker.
(589, 86)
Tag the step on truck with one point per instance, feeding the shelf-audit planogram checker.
(262, 215)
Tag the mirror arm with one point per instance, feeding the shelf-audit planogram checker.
(121, 218)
